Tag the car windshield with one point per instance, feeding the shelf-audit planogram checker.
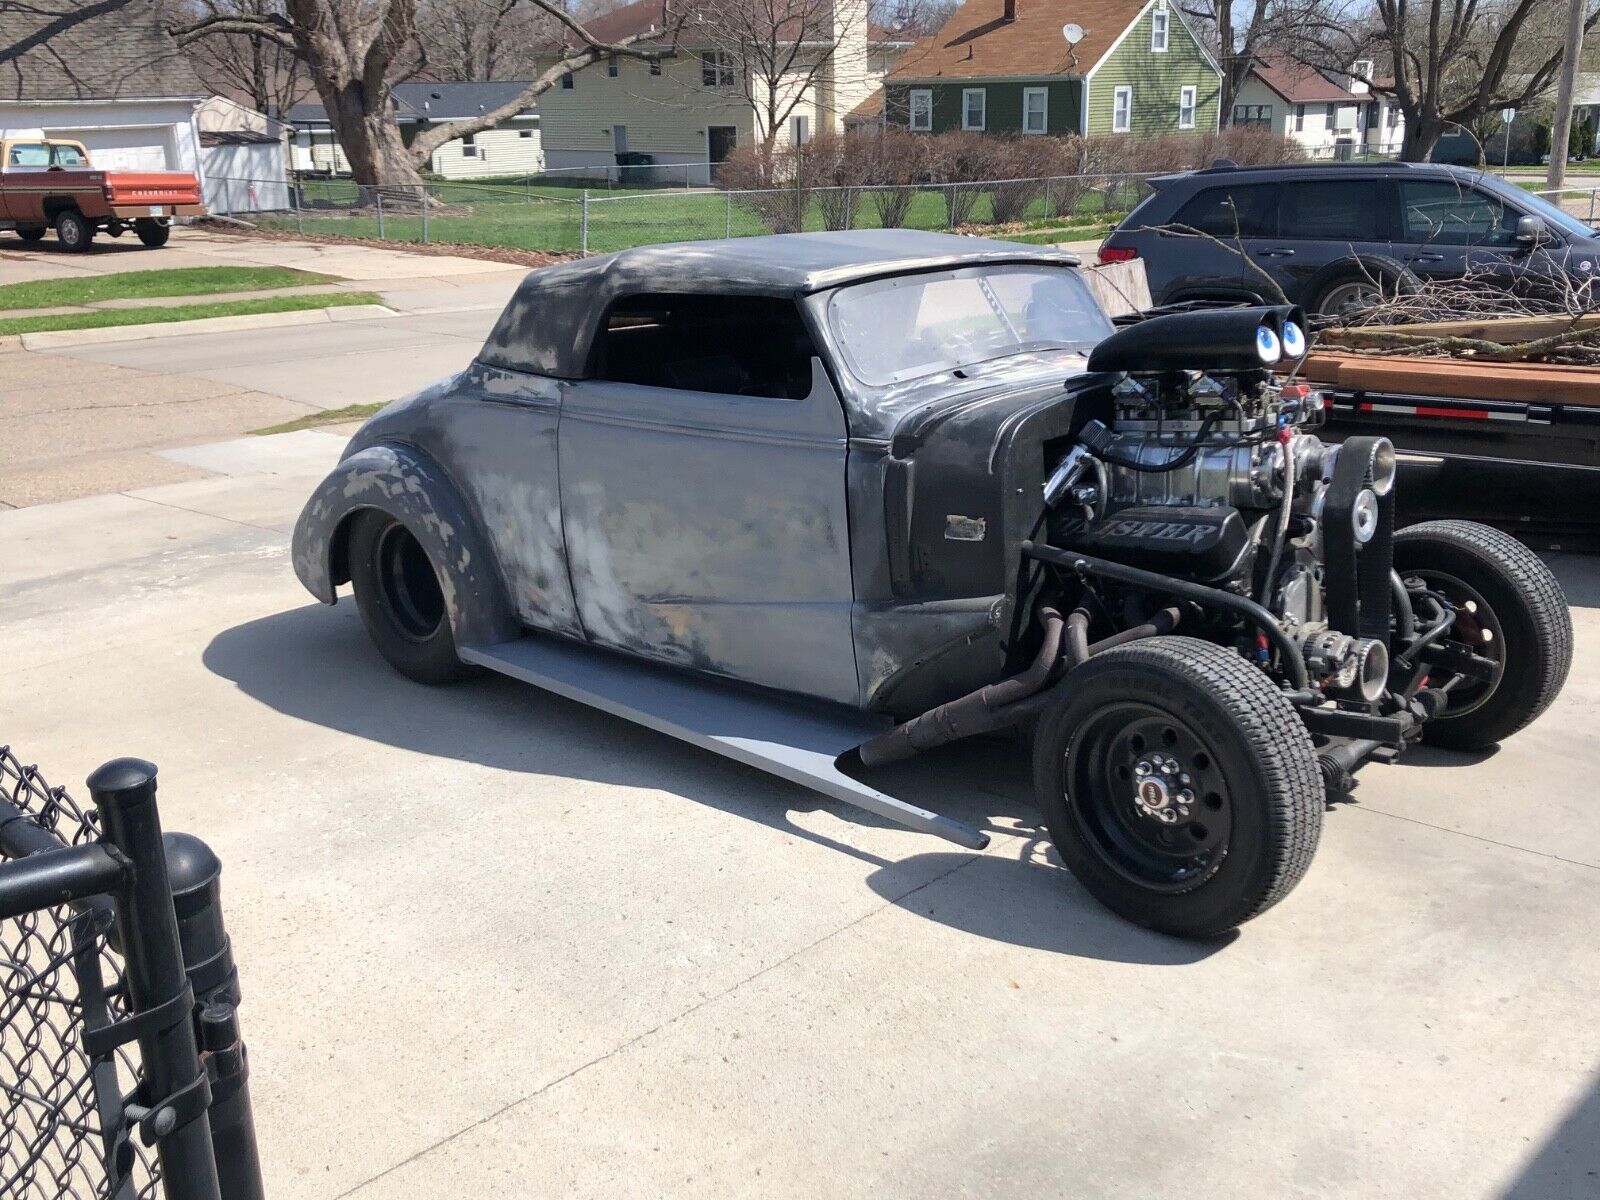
(913, 325)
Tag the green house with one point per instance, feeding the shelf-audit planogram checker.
(1102, 67)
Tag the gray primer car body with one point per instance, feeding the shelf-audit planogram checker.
(855, 546)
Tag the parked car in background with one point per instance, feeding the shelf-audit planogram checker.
(47, 184)
(1333, 237)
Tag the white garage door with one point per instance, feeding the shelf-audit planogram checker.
(139, 148)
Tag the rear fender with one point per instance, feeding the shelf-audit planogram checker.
(408, 485)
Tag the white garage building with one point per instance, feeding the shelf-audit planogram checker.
(116, 83)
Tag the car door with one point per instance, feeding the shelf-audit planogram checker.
(1320, 223)
(25, 167)
(1448, 229)
(702, 466)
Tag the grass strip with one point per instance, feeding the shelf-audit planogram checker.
(106, 317)
(141, 285)
(330, 416)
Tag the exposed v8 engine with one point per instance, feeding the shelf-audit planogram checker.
(1216, 475)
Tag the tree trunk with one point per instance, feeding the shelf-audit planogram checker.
(1422, 134)
(365, 126)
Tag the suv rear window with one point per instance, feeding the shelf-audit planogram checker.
(1244, 210)
(1344, 210)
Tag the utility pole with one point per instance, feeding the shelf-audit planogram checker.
(1561, 134)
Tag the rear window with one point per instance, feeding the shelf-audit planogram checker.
(28, 154)
(1344, 210)
(1244, 210)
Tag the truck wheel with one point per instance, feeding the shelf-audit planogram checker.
(32, 233)
(1509, 608)
(73, 231)
(152, 232)
(402, 605)
(1178, 785)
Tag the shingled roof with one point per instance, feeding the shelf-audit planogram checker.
(977, 42)
(1298, 83)
(91, 50)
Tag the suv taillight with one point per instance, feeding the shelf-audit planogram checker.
(1111, 254)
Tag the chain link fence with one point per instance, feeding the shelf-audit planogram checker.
(535, 214)
(121, 1069)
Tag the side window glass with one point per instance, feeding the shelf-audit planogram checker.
(29, 154)
(1446, 214)
(1337, 210)
(1229, 212)
(67, 156)
(728, 345)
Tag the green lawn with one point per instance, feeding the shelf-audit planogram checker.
(102, 318)
(140, 285)
(514, 216)
(331, 416)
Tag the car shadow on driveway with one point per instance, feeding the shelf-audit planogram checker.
(316, 664)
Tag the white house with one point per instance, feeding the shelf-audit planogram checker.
(115, 82)
(1332, 116)
(513, 147)
(691, 108)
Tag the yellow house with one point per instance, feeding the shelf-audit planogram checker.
(690, 109)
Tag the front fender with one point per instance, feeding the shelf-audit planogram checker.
(408, 485)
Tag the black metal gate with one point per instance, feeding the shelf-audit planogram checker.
(121, 1068)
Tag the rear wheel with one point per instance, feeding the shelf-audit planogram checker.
(152, 233)
(32, 233)
(1178, 785)
(1509, 610)
(401, 602)
(73, 231)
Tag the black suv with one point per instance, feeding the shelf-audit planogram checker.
(1334, 236)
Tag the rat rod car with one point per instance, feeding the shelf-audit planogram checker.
(823, 501)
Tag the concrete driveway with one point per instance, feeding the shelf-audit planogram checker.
(495, 944)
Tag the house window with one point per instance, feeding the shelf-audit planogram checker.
(716, 69)
(800, 129)
(567, 82)
(922, 110)
(524, 133)
(1035, 110)
(1121, 109)
(1299, 118)
(973, 101)
(1252, 114)
(613, 67)
(1186, 108)
(1329, 115)
(1159, 19)
(469, 146)
(655, 66)
(1393, 117)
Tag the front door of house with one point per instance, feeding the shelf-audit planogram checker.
(720, 141)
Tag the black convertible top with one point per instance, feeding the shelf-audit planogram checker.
(547, 325)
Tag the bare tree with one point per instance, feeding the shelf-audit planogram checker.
(480, 39)
(913, 18)
(356, 50)
(1240, 31)
(269, 76)
(1456, 60)
(780, 55)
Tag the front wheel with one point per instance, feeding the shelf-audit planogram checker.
(1509, 609)
(401, 601)
(73, 231)
(1178, 785)
(152, 233)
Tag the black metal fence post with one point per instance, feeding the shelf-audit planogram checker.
(196, 878)
(175, 1089)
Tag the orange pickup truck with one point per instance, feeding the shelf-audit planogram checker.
(47, 184)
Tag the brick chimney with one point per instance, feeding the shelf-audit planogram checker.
(1011, 10)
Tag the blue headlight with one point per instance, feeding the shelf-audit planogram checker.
(1294, 340)
(1268, 349)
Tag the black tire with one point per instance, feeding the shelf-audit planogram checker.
(73, 231)
(152, 232)
(1386, 277)
(32, 233)
(1527, 615)
(402, 605)
(1256, 800)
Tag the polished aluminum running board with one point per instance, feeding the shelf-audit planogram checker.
(790, 739)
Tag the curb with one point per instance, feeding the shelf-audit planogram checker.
(57, 339)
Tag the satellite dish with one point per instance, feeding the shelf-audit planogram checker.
(1073, 34)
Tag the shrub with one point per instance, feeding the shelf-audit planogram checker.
(771, 185)
(894, 160)
(1019, 166)
(835, 168)
(956, 160)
